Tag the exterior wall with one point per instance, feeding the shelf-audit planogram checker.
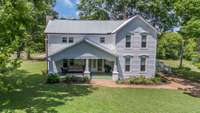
(55, 41)
(114, 42)
(136, 51)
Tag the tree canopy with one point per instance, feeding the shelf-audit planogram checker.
(22, 24)
(159, 13)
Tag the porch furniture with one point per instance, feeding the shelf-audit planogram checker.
(73, 69)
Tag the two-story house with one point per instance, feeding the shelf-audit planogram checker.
(124, 48)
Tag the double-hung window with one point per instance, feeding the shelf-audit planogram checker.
(128, 41)
(144, 41)
(127, 64)
(143, 64)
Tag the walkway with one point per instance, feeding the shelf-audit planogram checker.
(172, 85)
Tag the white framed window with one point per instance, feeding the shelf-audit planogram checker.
(127, 64)
(128, 41)
(64, 39)
(142, 64)
(102, 39)
(144, 41)
(71, 40)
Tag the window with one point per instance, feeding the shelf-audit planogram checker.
(143, 64)
(102, 40)
(144, 41)
(128, 41)
(64, 39)
(71, 39)
(71, 62)
(127, 64)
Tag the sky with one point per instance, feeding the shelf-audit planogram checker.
(67, 8)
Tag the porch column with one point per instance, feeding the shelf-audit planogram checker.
(86, 71)
(115, 76)
(52, 66)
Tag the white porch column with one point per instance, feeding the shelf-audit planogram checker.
(52, 66)
(115, 75)
(86, 71)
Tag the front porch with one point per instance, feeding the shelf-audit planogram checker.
(84, 58)
(97, 68)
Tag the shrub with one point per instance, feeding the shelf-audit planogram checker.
(53, 78)
(86, 80)
(73, 79)
(68, 79)
(142, 80)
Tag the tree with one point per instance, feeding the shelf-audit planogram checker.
(169, 45)
(40, 8)
(159, 12)
(188, 12)
(14, 18)
(22, 26)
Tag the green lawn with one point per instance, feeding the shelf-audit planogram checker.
(193, 74)
(32, 95)
(175, 64)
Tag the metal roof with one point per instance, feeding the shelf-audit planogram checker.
(82, 26)
(90, 26)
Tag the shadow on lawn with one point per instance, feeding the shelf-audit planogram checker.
(34, 95)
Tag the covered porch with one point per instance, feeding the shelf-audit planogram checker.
(85, 58)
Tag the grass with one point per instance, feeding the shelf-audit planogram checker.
(32, 95)
(175, 64)
(193, 74)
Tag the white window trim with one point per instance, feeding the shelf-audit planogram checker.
(130, 41)
(147, 39)
(146, 59)
(131, 57)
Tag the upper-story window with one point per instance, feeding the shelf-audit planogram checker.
(127, 64)
(102, 39)
(144, 41)
(71, 39)
(143, 64)
(64, 39)
(128, 41)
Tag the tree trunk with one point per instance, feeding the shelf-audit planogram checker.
(28, 55)
(18, 53)
(181, 55)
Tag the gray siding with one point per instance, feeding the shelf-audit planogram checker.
(136, 51)
(55, 41)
